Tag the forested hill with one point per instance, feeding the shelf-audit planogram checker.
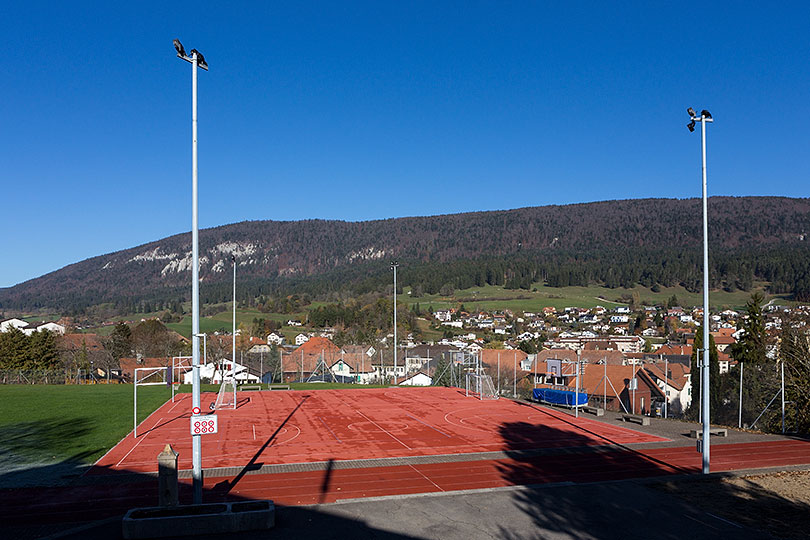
(617, 243)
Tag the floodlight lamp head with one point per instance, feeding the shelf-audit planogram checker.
(200, 59)
(705, 114)
(691, 111)
(691, 126)
(181, 52)
(233, 258)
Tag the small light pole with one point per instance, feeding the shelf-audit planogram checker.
(394, 266)
(197, 61)
(704, 118)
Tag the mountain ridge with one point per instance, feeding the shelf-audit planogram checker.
(272, 253)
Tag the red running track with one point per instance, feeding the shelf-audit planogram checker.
(313, 426)
(82, 503)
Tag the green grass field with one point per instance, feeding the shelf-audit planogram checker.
(48, 423)
(56, 423)
(492, 297)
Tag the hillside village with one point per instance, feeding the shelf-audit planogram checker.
(652, 346)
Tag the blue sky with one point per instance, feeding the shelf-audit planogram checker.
(376, 110)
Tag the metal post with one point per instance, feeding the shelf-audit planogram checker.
(499, 373)
(394, 266)
(739, 419)
(706, 358)
(135, 416)
(514, 379)
(634, 383)
(782, 365)
(700, 388)
(233, 354)
(576, 390)
(666, 385)
(196, 450)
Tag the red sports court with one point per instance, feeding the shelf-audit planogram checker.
(283, 427)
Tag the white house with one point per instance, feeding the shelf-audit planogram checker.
(8, 324)
(300, 339)
(275, 338)
(417, 379)
(209, 371)
(49, 326)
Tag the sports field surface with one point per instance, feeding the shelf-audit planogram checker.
(283, 427)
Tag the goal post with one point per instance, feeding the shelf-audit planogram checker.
(180, 366)
(150, 376)
(226, 397)
(480, 386)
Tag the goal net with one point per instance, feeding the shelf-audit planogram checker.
(226, 397)
(480, 386)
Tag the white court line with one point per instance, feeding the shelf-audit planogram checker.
(428, 425)
(145, 435)
(254, 431)
(383, 429)
(425, 477)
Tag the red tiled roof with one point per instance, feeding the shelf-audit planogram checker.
(128, 365)
(489, 357)
(73, 342)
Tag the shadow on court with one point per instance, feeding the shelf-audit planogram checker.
(577, 492)
(226, 486)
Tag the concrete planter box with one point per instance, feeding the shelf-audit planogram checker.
(195, 519)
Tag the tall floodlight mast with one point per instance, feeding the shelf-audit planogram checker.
(704, 117)
(233, 337)
(394, 266)
(197, 61)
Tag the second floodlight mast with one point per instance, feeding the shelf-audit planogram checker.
(197, 60)
(704, 117)
(394, 266)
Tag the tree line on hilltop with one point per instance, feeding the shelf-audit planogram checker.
(653, 242)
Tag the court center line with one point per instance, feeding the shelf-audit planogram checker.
(428, 425)
(145, 435)
(383, 429)
(330, 430)
(417, 471)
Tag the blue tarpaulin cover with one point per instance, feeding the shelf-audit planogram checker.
(560, 397)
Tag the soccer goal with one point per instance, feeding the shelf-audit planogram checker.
(226, 397)
(480, 386)
(151, 376)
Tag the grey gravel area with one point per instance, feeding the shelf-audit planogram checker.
(608, 511)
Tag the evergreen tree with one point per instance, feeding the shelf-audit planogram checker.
(119, 344)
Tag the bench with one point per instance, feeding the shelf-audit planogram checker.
(597, 411)
(250, 387)
(278, 386)
(698, 433)
(643, 420)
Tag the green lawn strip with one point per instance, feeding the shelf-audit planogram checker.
(44, 423)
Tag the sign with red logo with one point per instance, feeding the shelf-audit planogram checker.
(204, 424)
